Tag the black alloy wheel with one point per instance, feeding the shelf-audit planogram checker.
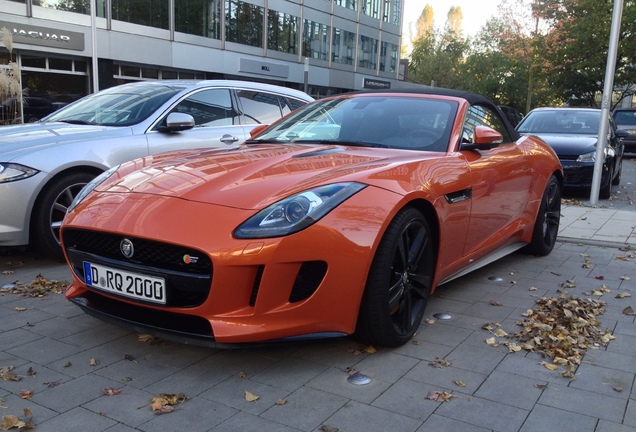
(399, 282)
(546, 226)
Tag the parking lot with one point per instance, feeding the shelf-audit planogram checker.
(74, 373)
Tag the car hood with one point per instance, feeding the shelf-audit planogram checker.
(255, 176)
(570, 145)
(21, 139)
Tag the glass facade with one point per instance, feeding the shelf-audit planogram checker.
(368, 53)
(315, 40)
(199, 17)
(343, 47)
(389, 57)
(151, 13)
(282, 32)
(244, 23)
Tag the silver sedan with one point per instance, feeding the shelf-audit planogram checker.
(43, 165)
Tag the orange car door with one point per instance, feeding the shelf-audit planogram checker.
(501, 181)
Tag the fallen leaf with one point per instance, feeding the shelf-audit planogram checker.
(11, 422)
(459, 383)
(623, 295)
(628, 311)
(111, 392)
(251, 397)
(440, 363)
(128, 357)
(281, 401)
(492, 342)
(618, 389)
(495, 303)
(430, 321)
(31, 372)
(371, 349)
(26, 394)
(541, 386)
(20, 309)
(549, 366)
(326, 428)
(500, 333)
(532, 289)
(92, 362)
(242, 374)
(439, 396)
(625, 278)
(146, 338)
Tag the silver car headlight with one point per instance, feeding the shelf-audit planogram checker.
(296, 212)
(591, 156)
(90, 186)
(13, 172)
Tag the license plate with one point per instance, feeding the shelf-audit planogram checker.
(132, 285)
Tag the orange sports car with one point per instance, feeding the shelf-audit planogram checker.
(339, 219)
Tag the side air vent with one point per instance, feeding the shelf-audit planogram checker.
(309, 277)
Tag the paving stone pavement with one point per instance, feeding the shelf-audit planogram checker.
(70, 361)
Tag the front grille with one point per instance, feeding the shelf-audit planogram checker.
(187, 272)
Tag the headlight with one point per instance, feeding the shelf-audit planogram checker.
(11, 172)
(90, 186)
(591, 157)
(296, 212)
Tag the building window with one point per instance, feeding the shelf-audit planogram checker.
(282, 32)
(199, 17)
(82, 7)
(389, 57)
(372, 8)
(349, 4)
(368, 53)
(392, 11)
(151, 13)
(315, 40)
(244, 23)
(343, 46)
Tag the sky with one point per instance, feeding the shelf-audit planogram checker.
(475, 12)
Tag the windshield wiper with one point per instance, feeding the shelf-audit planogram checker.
(77, 122)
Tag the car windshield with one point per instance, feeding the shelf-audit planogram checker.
(627, 118)
(584, 122)
(402, 122)
(117, 106)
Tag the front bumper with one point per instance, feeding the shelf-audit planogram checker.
(579, 176)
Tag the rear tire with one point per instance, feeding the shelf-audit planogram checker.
(546, 226)
(399, 282)
(50, 210)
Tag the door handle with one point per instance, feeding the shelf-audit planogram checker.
(228, 139)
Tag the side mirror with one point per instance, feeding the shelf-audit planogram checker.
(258, 129)
(176, 122)
(485, 138)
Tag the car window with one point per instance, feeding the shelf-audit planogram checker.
(483, 116)
(260, 107)
(211, 107)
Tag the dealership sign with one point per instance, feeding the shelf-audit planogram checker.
(41, 36)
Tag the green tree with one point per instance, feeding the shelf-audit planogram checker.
(577, 48)
(437, 57)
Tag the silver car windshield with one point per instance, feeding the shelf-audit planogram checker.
(115, 106)
(402, 122)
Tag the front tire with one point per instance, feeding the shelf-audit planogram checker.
(546, 226)
(399, 282)
(50, 210)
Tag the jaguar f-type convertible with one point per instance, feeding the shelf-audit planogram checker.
(340, 219)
